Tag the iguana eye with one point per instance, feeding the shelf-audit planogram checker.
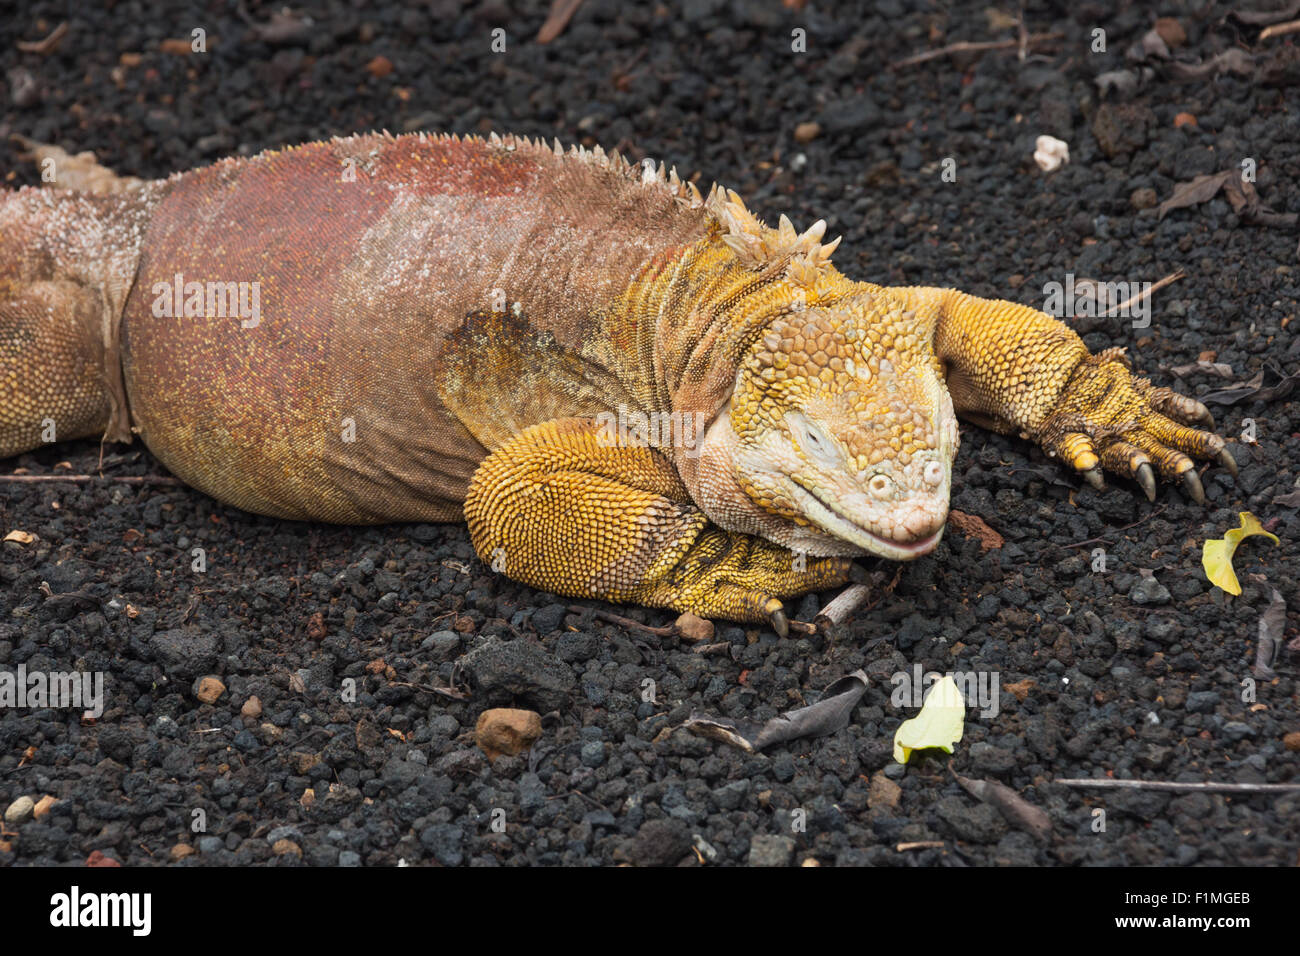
(813, 441)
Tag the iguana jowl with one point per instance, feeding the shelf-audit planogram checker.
(447, 328)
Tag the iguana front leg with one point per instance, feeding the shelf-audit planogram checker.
(1014, 369)
(561, 507)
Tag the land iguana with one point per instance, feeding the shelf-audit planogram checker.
(630, 391)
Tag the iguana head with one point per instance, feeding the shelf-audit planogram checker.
(842, 429)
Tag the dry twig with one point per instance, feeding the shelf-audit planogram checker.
(1133, 300)
(1176, 787)
(561, 12)
(1280, 29)
(48, 45)
(1033, 39)
(82, 479)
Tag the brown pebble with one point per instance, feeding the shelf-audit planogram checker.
(694, 629)
(303, 762)
(43, 806)
(252, 708)
(506, 730)
(1292, 741)
(883, 792)
(1171, 31)
(180, 851)
(807, 132)
(210, 689)
(1144, 198)
(281, 847)
(379, 67)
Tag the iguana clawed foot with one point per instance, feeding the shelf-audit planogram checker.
(741, 578)
(1107, 420)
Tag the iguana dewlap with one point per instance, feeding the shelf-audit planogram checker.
(630, 392)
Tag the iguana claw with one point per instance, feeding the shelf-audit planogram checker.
(1146, 477)
(1228, 462)
(1192, 483)
(780, 623)
(1095, 478)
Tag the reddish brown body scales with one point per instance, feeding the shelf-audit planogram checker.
(342, 403)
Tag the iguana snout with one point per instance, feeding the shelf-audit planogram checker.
(843, 428)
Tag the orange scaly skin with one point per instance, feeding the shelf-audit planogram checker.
(629, 391)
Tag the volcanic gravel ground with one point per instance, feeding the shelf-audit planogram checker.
(1113, 674)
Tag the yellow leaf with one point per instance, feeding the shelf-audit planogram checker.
(1216, 555)
(939, 724)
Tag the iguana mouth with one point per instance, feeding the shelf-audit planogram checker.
(842, 526)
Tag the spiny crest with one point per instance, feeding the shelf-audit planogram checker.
(756, 245)
(661, 177)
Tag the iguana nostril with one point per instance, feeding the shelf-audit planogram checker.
(880, 485)
(933, 473)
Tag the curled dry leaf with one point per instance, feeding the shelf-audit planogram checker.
(20, 537)
(1239, 192)
(1229, 61)
(1018, 811)
(1272, 625)
(1254, 390)
(828, 715)
(1199, 190)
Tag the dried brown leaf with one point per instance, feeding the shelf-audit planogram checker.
(1253, 389)
(828, 715)
(1229, 61)
(1272, 625)
(1199, 190)
(1016, 809)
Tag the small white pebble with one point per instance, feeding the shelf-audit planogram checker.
(20, 811)
(1050, 153)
